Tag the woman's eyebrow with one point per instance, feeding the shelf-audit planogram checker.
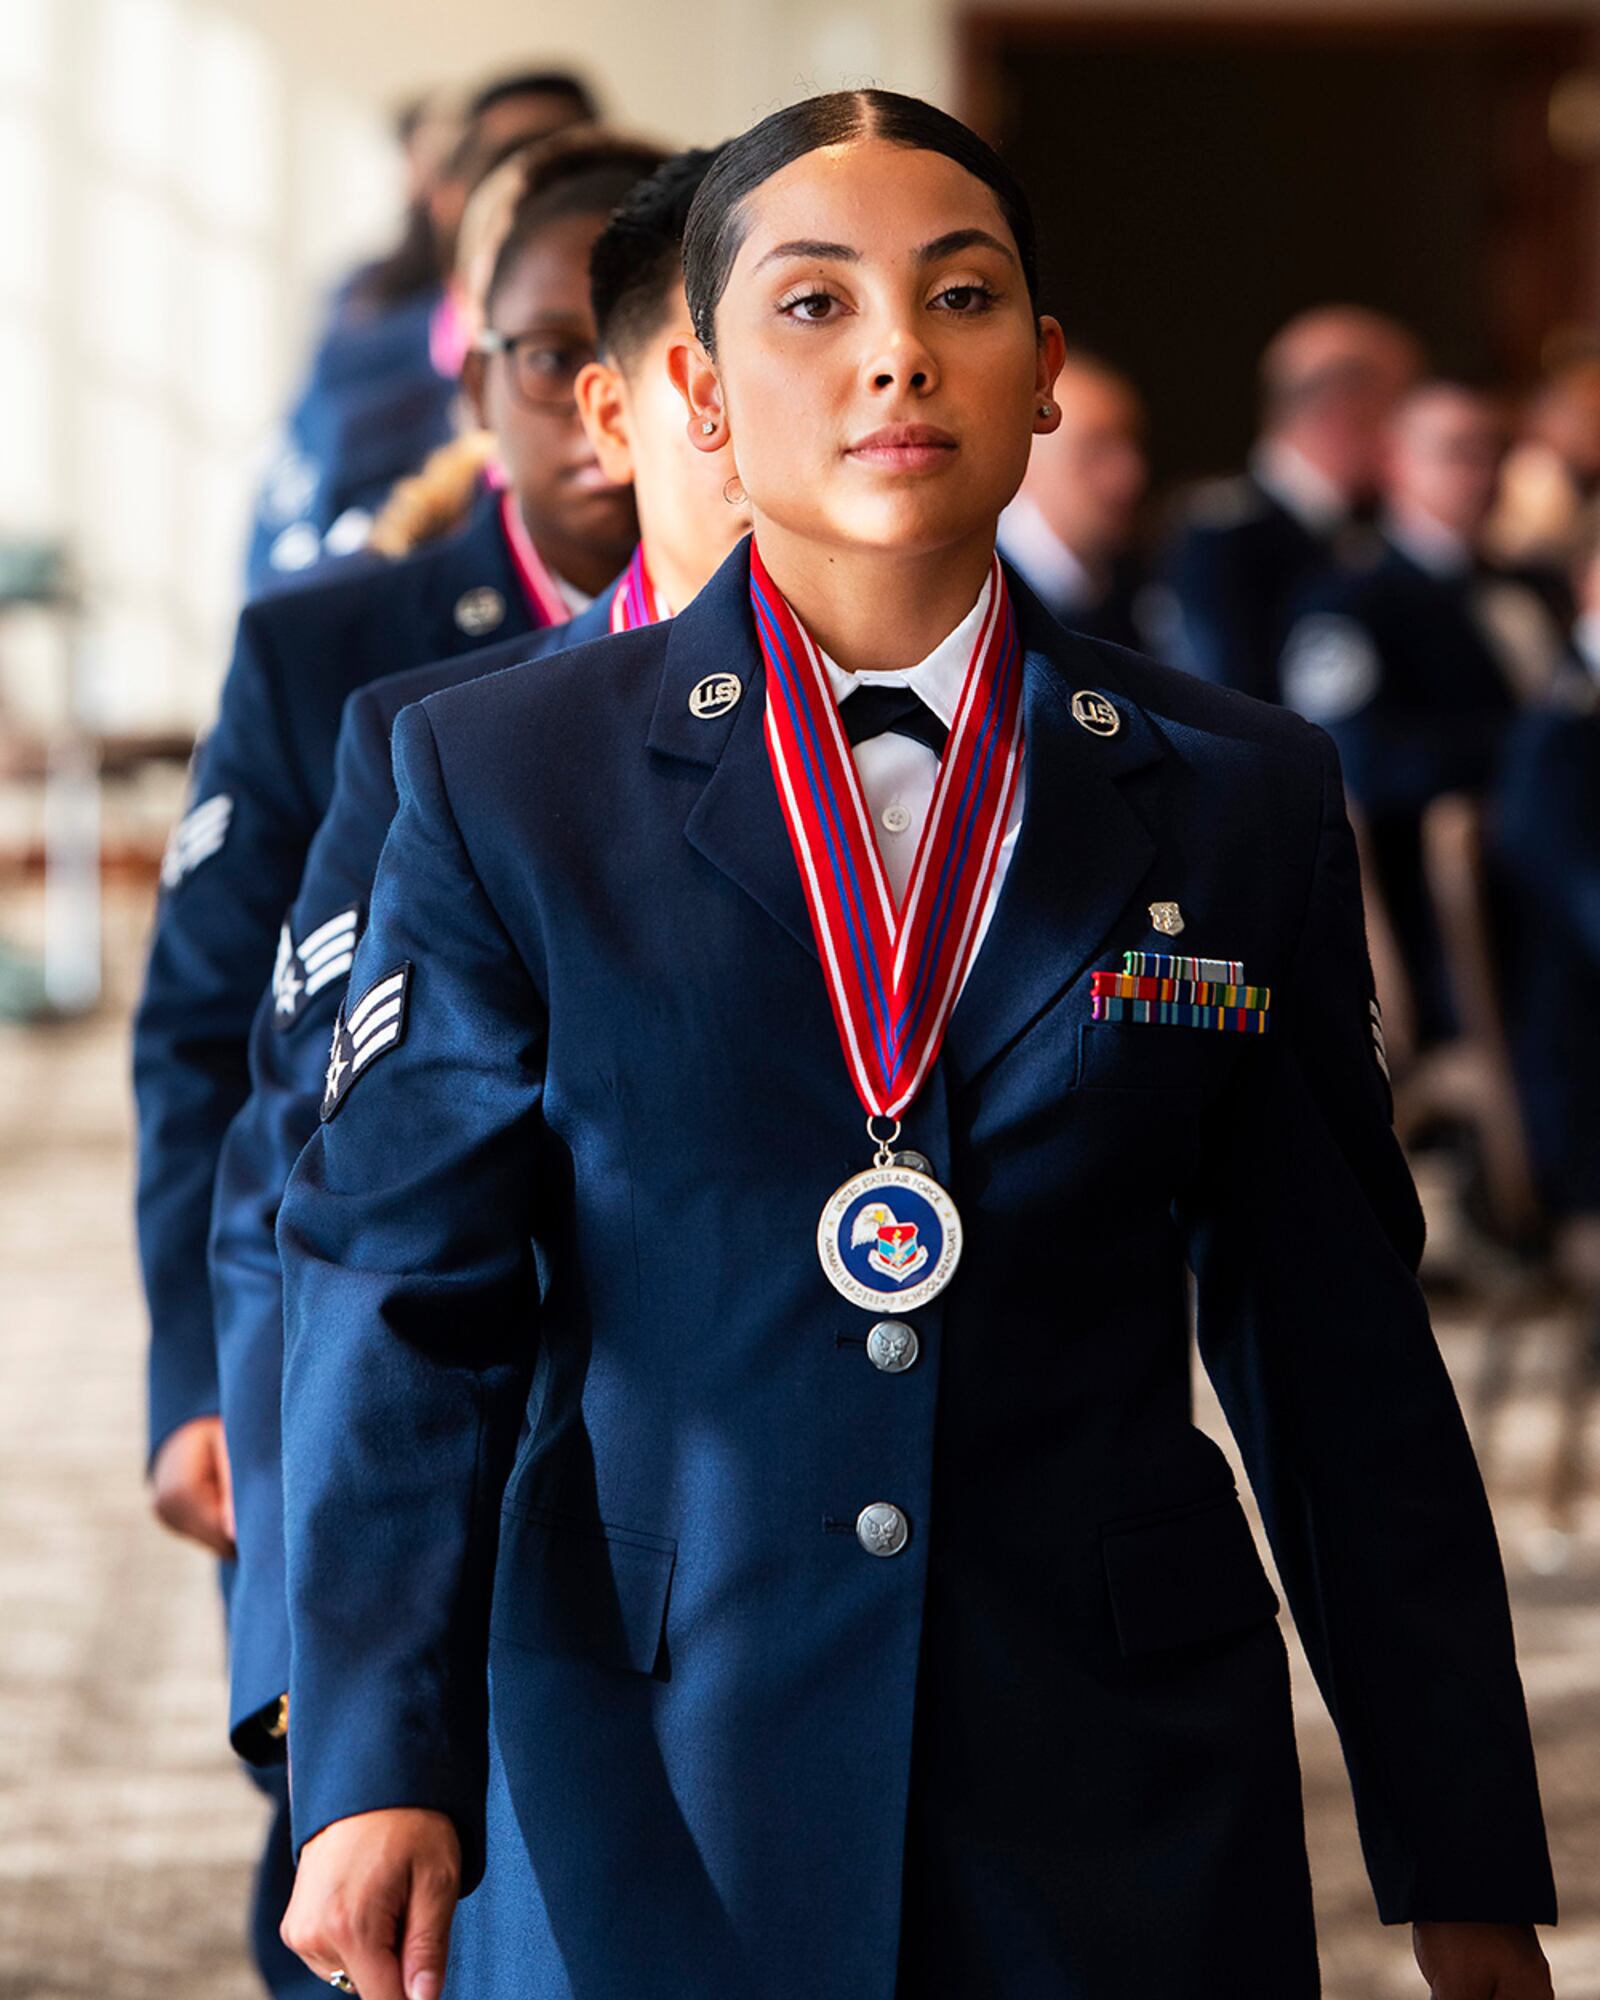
(962, 239)
(813, 248)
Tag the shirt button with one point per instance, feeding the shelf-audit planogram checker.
(881, 1529)
(896, 818)
(892, 1346)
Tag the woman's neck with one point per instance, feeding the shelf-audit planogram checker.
(872, 609)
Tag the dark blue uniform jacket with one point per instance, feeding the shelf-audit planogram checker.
(1547, 845)
(372, 408)
(577, 1432)
(1232, 571)
(262, 781)
(288, 1057)
(1393, 663)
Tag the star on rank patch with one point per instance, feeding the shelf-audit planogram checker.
(369, 1028)
(303, 970)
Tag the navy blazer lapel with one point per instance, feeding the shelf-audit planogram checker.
(735, 821)
(1083, 850)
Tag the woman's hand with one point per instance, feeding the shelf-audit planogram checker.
(191, 1489)
(1482, 1962)
(373, 1898)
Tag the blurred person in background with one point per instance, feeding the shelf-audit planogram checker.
(1070, 530)
(529, 557)
(1546, 836)
(1416, 662)
(687, 524)
(1329, 383)
(381, 389)
(1553, 472)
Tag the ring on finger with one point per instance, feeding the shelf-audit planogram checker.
(341, 1982)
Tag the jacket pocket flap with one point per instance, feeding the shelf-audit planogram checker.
(588, 1590)
(1184, 1577)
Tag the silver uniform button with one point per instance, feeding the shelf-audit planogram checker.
(893, 1346)
(919, 1163)
(881, 1529)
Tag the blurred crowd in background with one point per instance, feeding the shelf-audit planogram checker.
(1410, 561)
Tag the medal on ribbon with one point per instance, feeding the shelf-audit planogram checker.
(891, 1236)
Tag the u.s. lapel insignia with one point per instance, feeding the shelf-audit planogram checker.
(1093, 712)
(304, 969)
(369, 1028)
(714, 695)
(479, 611)
(1167, 918)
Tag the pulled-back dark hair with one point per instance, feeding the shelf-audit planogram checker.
(586, 171)
(636, 265)
(534, 83)
(716, 226)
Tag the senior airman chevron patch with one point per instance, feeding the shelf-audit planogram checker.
(196, 837)
(303, 970)
(369, 1028)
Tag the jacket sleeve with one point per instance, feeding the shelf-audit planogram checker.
(232, 869)
(1304, 1238)
(410, 1301)
(288, 1058)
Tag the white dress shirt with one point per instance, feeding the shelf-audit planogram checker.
(898, 774)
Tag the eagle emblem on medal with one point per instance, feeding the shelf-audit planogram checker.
(890, 1237)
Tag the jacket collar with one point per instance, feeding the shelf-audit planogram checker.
(1084, 846)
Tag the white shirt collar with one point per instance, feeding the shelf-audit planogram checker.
(571, 596)
(938, 679)
(1434, 548)
(1030, 544)
(1299, 486)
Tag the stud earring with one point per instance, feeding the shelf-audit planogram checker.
(707, 426)
(1047, 409)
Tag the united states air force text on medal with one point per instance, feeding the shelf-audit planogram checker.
(890, 1237)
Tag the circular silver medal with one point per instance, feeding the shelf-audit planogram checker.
(890, 1237)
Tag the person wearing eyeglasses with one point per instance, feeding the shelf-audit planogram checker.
(533, 553)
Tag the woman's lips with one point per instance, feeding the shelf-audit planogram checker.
(905, 448)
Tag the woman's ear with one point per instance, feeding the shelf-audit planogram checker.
(694, 376)
(1052, 357)
(603, 409)
(472, 385)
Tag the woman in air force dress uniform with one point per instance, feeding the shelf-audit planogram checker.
(744, 1523)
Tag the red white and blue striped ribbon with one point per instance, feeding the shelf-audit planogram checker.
(893, 976)
(636, 601)
(548, 605)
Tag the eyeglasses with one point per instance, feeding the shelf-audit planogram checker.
(544, 366)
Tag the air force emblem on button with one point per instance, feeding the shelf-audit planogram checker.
(372, 1026)
(714, 696)
(479, 611)
(1093, 712)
